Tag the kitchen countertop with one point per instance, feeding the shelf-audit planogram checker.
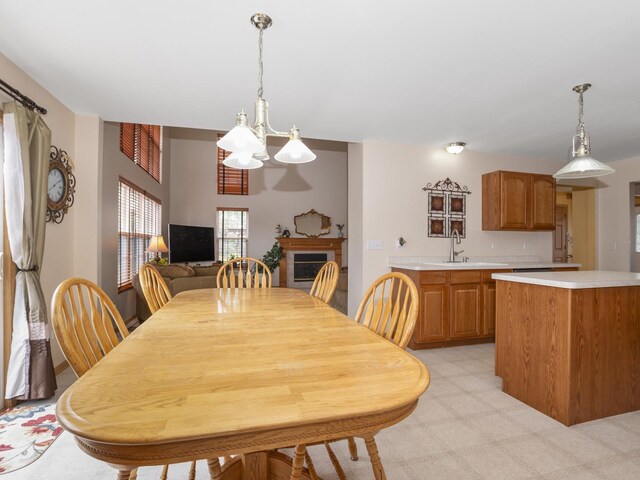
(574, 280)
(479, 265)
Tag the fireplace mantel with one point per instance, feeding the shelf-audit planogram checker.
(306, 244)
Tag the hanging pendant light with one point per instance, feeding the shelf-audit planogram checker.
(248, 143)
(583, 164)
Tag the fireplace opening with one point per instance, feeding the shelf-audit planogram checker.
(307, 265)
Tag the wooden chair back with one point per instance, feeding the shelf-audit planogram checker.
(85, 321)
(326, 281)
(154, 288)
(390, 308)
(244, 272)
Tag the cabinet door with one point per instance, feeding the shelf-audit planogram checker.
(433, 318)
(489, 308)
(466, 313)
(543, 202)
(514, 200)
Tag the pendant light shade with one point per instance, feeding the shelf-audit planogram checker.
(583, 164)
(240, 138)
(242, 161)
(295, 151)
(584, 167)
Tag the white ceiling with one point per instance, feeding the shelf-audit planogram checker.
(495, 73)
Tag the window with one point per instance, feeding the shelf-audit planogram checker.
(233, 233)
(143, 145)
(139, 218)
(231, 181)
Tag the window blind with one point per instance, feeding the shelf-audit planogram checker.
(233, 232)
(143, 144)
(231, 181)
(139, 218)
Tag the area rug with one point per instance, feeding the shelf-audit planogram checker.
(25, 433)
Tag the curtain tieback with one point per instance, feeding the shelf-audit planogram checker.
(32, 269)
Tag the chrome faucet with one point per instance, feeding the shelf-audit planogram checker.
(455, 235)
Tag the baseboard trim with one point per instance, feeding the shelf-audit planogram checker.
(131, 320)
(61, 368)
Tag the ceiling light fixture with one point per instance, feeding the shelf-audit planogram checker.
(249, 142)
(455, 147)
(583, 164)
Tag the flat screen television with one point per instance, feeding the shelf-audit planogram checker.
(191, 244)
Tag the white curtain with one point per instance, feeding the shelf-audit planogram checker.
(27, 141)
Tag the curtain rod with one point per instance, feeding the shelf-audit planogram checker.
(23, 99)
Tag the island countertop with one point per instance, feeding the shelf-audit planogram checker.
(574, 279)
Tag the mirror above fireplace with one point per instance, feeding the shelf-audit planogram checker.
(312, 224)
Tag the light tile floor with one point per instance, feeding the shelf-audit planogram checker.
(463, 428)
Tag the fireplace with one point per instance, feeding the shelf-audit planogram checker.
(307, 265)
(303, 258)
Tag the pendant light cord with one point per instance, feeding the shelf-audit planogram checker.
(580, 112)
(261, 66)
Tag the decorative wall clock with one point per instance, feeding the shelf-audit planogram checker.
(61, 185)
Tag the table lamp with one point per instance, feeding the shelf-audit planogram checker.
(157, 246)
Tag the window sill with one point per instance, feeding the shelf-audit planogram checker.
(125, 287)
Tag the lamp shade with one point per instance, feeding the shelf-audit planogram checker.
(583, 167)
(241, 139)
(295, 152)
(242, 161)
(157, 245)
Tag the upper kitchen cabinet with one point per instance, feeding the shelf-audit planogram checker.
(518, 201)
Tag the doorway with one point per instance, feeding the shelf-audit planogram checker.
(574, 240)
(561, 235)
(634, 244)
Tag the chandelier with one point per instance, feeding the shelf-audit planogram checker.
(583, 164)
(248, 143)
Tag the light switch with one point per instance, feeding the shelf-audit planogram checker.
(374, 244)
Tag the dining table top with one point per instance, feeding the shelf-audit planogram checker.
(221, 364)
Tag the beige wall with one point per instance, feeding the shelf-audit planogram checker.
(355, 232)
(277, 192)
(115, 165)
(60, 248)
(614, 213)
(394, 204)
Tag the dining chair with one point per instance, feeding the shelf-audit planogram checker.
(390, 309)
(326, 281)
(154, 288)
(88, 326)
(244, 272)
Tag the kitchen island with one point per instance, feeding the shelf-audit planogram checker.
(568, 343)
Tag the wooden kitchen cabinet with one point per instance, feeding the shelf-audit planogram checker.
(451, 310)
(466, 311)
(518, 201)
(489, 310)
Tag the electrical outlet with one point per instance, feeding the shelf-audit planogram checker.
(374, 244)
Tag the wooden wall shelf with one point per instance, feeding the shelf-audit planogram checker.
(307, 244)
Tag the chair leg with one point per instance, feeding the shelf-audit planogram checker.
(335, 462)
(310, 466)
(192, 471)
(372, 449)
(353, 449)
(298, 462)
(124, 474)
(215, 472)
(227, 458)
(165, 471)
(134, 474)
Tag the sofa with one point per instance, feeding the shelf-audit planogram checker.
(178, 278)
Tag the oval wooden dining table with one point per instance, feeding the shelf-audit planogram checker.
(239, 372)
